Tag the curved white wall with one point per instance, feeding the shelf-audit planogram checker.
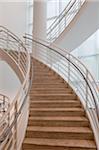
(9, 82)
(13, 16)
(84, 25)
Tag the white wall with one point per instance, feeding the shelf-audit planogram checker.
(13, 16)
(83, 26)
(9, 82)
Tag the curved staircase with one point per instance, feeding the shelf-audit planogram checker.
(57, 119)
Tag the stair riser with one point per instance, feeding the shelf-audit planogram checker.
(42, 72)
(46, 77)
(56, 113)
(45, 147)
(52, 77)
(58, 135)
(46, 85)
(50, 89)
(54, 105)
(57, 123)
(43, 77)
(50, 92)
(53, 97)
(47, 81)
(45, 71)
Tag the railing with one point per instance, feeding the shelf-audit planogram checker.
(4, 104)
(14, 121)
(74, 73)
(63, 20)
(15, 49)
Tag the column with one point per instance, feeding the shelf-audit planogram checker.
(39, 19)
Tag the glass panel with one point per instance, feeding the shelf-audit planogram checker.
(54, 7)
(29, 16)
(88, 53)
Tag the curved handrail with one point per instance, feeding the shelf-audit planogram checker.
(10, 43)
(14, 47)
(64, 18)
(73, 71)
(8, 130)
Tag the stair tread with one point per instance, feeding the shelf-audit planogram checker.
(55, 94)
(55, 101)
(61, 142)
(70, 118)
(60, 129)
(57, 109)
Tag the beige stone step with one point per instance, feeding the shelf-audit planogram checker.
(49, 85)
(43, 71)
(57, 112)
(53, 96)
(49, 90)
(47, 81)
(46, 75)
(57, 88)
(59, 132)
(57, 144)
(54, 104)
(59, 121)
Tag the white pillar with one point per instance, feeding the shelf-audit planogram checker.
(39, 28)
(39, 19)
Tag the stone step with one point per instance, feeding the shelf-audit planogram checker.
(51, 88)
(59, 121)
(49, 85)
(56, 112)
(43, 71)
(53, 96)
(47, 81)
(54, 104)
(50, 92)
(57, 144)
(80, 133)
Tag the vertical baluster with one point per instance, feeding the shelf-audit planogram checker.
(19, 55)
(7, 43)
(79, 4)
(68, 68)
(15, 126)
(4, 104)
(86, 89)
(50, 36)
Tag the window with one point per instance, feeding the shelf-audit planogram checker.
(29, 16)
(54, 8)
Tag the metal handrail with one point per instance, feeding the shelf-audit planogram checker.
(56, 59)
(8, 130)
(14, 47)
(64, 18)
